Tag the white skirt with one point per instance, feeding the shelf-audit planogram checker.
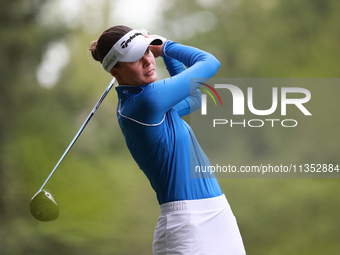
(198, 227)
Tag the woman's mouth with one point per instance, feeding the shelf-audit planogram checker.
(150, 73)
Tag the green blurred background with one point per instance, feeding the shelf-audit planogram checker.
(50, 83)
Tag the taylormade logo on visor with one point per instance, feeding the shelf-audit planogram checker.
(120, 49)
(125, 44)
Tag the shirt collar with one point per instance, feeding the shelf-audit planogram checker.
(125, 90)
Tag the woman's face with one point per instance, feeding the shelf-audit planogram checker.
(137, 73)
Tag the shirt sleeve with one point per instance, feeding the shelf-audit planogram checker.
(159, 97)
(173, 66)
(191, 103)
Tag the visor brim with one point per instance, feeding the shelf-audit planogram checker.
(138, 50)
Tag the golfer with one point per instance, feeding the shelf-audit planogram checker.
(195, 215)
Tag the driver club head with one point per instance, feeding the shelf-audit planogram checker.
(43, 206)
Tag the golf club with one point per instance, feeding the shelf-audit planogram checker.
(43, 206)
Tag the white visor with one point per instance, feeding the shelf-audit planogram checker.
(130, 48)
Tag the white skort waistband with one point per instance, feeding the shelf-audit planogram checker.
(198, 205)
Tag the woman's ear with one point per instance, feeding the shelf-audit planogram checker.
(114, 72)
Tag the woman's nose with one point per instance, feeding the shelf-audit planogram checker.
(146, 60)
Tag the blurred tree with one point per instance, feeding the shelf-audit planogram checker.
(103, 187)
(261, 38)
(22, 44)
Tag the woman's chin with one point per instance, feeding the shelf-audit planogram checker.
(151, 77)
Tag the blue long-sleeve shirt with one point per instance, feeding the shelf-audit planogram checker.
(160, 141)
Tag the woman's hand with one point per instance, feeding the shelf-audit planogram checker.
(156, 49)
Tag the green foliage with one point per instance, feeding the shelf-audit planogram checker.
(106, 204)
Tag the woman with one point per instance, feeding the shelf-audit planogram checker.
(195, 215)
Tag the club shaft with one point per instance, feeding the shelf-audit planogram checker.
(80, 131)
